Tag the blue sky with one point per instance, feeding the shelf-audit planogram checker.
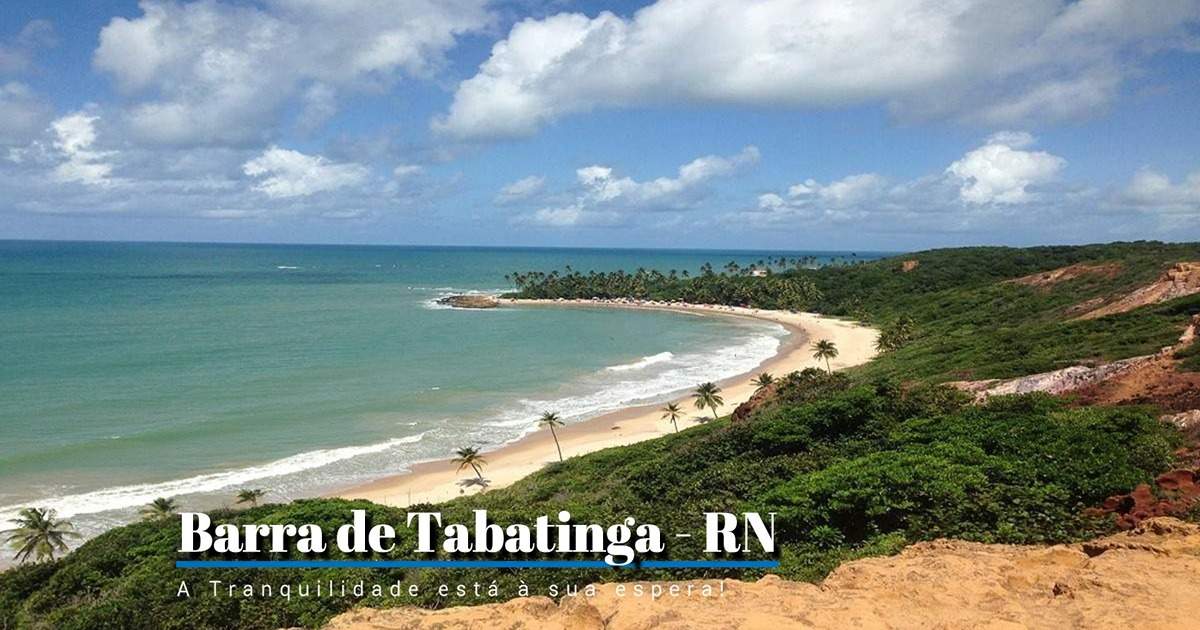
(896, 124)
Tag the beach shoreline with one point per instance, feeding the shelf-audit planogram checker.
(437, 481)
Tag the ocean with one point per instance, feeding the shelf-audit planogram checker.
(132, 371)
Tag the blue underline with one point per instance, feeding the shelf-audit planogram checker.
(471, 564)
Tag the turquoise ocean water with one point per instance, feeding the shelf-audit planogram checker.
(130, 371)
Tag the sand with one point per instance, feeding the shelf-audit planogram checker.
(1145, 578)
(437, 481)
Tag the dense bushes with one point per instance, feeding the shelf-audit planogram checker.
(852, 470)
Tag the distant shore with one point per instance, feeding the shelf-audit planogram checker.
(437, 481)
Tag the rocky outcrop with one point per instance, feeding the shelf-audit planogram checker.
(1063, 274)
(1185, 420)
(909, 265)
(752, 404)
(1152, 379)
(1056, 382)
(1144, 578)
(1174, 493)
(1181, 280)
(471, 300)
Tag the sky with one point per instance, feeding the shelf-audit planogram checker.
(745, 124)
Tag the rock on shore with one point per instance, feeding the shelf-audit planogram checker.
(470, 301)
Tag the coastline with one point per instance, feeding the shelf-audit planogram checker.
(437, 481)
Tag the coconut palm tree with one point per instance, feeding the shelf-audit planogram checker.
(469, 456)
(825, 349)
(159, 508)
(251, 496)
(708, 395)
(38, 534)
(762, 380)
(551, 420)
(673, 413)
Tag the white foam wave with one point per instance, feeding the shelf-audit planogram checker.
(285, 267)
(124, 497)
(644, 362)
(678, 374)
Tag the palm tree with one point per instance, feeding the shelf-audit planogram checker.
(673, 413)
(762, 380)
(469, 456)
(251, 496)
(38, 534)
(159, 508)
(551, 419)
(708, 395)
(825, 349)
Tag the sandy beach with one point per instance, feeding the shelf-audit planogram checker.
(437, 481)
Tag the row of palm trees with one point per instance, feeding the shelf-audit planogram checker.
(787, 291)
(38, 534)
(705, 396)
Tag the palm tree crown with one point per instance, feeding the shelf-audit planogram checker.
(469, 456)
(159, 508)
(251, 496)
(673, 413)
(38, 534)
(708, 395)
(763, 380)
(551, 420)
(825, 349)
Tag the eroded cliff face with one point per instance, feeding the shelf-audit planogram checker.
(1182, 279)
(1145, 578)
(1152, 379)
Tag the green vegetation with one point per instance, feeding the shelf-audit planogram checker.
(855, 463)
(673, 413)
(952, 316)
(852, 470)
(708, 395)
(1189, 358)
(785, 291)
(551, 420)
(251, 496)
(825, 349)
(470, 457)
(160, 508)
(38, 535)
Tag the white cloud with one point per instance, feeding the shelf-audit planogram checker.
(405, 171)
(1152, 191)
(22, 113)
(74, 137)
(286, 173)
(523, 188)
(987, 183)
(972, 59)
(211, 72)
(1000, 172)
(17, 54)
(603, 198)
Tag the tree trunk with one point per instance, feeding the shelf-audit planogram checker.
(556, 444)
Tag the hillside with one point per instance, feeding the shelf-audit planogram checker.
(858, 464)
(1137, 579)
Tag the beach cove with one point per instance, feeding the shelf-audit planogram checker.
(438, 481)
